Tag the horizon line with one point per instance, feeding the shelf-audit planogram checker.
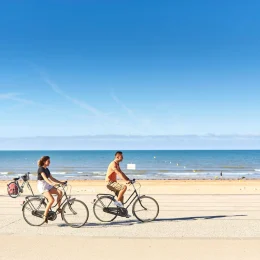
(93, 150)
(133, 135)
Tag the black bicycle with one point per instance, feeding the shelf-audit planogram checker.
(14, 189)
(145, 208)
(74, 212)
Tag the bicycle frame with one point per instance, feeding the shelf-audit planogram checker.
(67, 198)
(136, 196)
(62, 203)
(27, 198)
(43, 199)
(22, 186)
(124, 203)
(36, 206)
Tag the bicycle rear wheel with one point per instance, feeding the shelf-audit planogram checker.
(146, 209)
(75, 213)
(102, 206)
(33, 211)
(13, 190)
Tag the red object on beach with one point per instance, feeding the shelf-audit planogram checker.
(12, 189)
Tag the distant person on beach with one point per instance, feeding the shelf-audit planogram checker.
(111, 179)
(221, 175)
(46, 185)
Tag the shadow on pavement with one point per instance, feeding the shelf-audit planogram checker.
(197, 217)
(134, 222)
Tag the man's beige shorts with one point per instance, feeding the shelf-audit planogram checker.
(115, 187)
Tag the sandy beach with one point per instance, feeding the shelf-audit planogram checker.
(197, 220)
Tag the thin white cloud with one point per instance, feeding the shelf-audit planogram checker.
(15, 97)
(77, 102)
(142, 124)
(119, 102)
(8, 95)
(112, 118)
(120, 124)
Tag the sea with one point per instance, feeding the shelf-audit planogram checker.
(152, 165)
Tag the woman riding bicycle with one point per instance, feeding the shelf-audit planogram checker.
(46, 185)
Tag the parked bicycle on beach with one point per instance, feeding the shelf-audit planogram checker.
(74, 212)
(14, 189)
(145, 208)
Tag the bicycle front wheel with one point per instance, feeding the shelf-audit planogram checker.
(33, 211)
(75, 213)
(146, 209)
(13, 190)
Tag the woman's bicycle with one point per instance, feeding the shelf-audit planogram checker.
(74, 212)
(14, 189)
(145, 208)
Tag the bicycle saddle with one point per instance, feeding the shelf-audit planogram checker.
(16, 179)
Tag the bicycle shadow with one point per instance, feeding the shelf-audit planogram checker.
(110, 224)
(197, 218)
(136, 222)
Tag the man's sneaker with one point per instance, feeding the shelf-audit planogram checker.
(118, 204)
(128, 216)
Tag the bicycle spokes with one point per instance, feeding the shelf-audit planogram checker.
(104, 210)
(70, 206)
(33, 210)
(75, 213)
(146, 209)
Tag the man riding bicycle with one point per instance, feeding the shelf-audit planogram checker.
(111, 179)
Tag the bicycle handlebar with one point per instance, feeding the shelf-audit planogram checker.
(62, 185)
(132, 181)
(22, 175)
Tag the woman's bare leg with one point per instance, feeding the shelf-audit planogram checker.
(50, 199)
(58, 193)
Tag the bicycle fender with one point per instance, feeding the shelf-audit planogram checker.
(101, 195)
(107, 196)
(23, 205)
(72, 200)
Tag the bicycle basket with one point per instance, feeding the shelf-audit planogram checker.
(25, 177)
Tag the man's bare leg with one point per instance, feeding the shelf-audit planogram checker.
(121, 193)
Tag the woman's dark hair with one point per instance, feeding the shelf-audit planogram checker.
(42, 161)
(118, 152)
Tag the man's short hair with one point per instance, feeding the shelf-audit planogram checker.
(118, 153)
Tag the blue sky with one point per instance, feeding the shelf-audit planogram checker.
(71, 68)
